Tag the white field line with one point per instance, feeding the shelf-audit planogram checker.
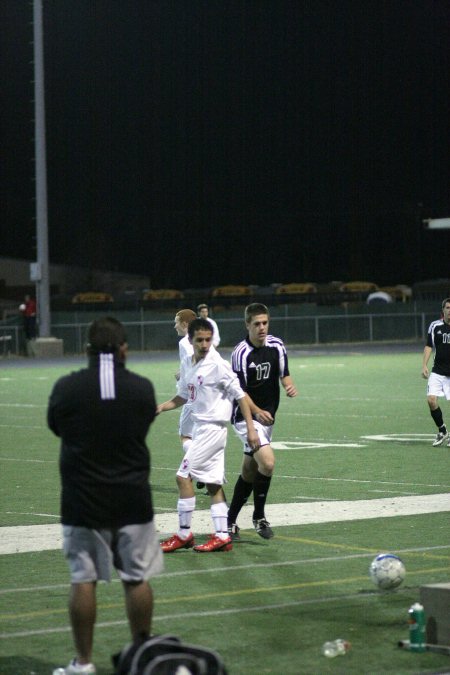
(22, 405)
(217, 612)
(27, 538)
(238, 568)
(285, 476)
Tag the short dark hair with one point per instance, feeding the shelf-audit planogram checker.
(254, 309)
(444, 302)
(105, 336)
(199, 324)
(202, 306)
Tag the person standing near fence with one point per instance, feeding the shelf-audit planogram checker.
(438, 385)
(261, 363)
(102, 414)
(28, 310)
(203, 313)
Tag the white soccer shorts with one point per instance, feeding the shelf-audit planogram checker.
(264, 434)
(204, 461)
(438, 385)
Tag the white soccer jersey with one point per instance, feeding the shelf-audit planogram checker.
(216, 334)
(185, 348)
(210, 386)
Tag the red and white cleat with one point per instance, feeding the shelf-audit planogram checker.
(175, 542)
(215, 544)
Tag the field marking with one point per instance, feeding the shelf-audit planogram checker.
(420, 552)
(21, 405)
(305, 445)
(201, 613)
(364, 480)
(27, 538)
(252, 591)
(403, 438)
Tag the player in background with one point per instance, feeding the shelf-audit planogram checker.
(438, 340)
(260, 362)
(203, 313)
(182, 320)
(210, 385)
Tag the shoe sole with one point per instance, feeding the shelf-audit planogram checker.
(436, 445)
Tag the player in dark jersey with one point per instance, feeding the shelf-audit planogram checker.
(438, 340)
(260, 362)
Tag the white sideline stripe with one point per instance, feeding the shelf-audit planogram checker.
(214, 570)
(213, 612)
(27, 538)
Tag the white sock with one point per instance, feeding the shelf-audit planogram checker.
(219, 513)
(185, 508)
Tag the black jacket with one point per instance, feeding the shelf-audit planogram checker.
(104, 460)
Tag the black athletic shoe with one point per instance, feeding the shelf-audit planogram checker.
(233, 532)
(200, 485)
(263, 528)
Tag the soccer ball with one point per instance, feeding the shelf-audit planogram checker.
(387, 571)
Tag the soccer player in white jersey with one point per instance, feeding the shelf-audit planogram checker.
(203, 313)
(260, 362)
(438, 340)
(210, 385)
(182, 320)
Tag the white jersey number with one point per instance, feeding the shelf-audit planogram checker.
(263, 371)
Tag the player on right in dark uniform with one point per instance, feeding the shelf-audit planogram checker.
(260, 362)
(438, 339)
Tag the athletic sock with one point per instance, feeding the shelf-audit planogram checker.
(242, 491)
(219, 516)
(185, 508)
(261, 486)
(438, 419)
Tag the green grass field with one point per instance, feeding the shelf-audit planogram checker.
(266, 606)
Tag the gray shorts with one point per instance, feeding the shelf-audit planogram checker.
(133, 550)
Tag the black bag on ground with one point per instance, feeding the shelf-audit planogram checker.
(166, 655)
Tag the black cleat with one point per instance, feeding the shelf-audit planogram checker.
(263, 528)
(200, 485)
(233, 532)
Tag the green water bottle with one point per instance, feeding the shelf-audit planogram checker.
(416, 628)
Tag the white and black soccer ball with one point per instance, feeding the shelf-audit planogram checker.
(387, 571)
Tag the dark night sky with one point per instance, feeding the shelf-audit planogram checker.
(233, 141)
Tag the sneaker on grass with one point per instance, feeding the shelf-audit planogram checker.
(74, 667)
(263, 528)
(441, 436)
(175, 542)
(215, 543)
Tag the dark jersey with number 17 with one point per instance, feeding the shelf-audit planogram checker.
(259, 370)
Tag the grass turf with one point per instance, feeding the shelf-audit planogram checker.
(267, 607)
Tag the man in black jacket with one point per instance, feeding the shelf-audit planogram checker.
(102, 414)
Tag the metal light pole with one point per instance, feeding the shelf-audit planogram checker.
(39, 271)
